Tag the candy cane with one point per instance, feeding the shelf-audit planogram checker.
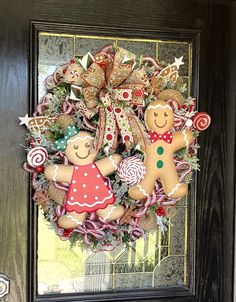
(174, 105)
(67, 107)
(88, 125)
(46, 99)
(41, 108)
(92, 216)
(61, 186)
(187, 172)
(153, 198)
(35, 183)
(109, 247)
(161, 196)
(111, 227)
(98, 234)
(90, 223)
(49, 81)
(59, 72)
(194, 148)
(62, 156)
(59, 231)
(28, 168)
(106, 49)
(171, 202)
(136, 232)
(153, 61)
(141, 212)
(60, 211)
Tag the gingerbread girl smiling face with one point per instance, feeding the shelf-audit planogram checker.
(88, 191)
(79, 149)
(159, 119)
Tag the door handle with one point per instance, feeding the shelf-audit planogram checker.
(4, 285)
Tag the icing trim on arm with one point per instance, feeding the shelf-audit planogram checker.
(55, 173)
(186, 139)
(143, 191)
(74, 219)
(113, 162)
(174, 189)
(109, 214)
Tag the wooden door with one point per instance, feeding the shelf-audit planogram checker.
(206, 26)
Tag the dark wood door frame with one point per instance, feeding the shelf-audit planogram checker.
(193, 37)
(215, 194)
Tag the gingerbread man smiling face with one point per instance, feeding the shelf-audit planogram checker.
(88, 191)
(159, 119)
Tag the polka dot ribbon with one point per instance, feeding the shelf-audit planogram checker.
(61, 143)
(166, 136)
(116, 121)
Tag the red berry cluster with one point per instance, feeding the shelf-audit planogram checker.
(161, 212)
(138, 92)
(39, 169)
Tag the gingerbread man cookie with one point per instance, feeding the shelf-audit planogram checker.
(159, 162)
(88, 191)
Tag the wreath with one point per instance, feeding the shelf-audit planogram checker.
(102, 106)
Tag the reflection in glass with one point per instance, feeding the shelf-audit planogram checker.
(161, 259)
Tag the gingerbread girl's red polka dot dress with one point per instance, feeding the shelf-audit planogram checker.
(89, 191)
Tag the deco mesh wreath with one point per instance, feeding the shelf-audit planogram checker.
(112, 147)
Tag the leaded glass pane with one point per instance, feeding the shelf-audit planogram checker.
(163, 259)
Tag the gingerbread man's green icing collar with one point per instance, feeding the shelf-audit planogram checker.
(61, 143)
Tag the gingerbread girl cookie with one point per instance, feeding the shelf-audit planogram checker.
(159, 162)
(88, 191)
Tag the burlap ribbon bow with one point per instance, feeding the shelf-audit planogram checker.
(112, 84)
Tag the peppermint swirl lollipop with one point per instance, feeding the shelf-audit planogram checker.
(131, 170)
(37, 156)
(201, 121)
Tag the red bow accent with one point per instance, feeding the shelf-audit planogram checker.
(166, 136)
